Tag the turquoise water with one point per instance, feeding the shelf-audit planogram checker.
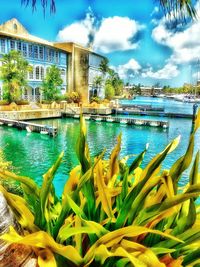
(32, 154)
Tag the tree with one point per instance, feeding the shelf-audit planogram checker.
(97, 83)
(115, 81)
(51, 84)
(13, 73)
(103, 66)
(109, 91)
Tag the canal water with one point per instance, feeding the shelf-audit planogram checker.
(32, 154)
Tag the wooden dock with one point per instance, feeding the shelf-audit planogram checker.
(124, 120)
(30, 127)
(152, 113)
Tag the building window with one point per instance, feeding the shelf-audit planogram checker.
(19, 46)
(30, 75)
(41, 52)
(2, 46)
(37, 73)
(12, 44)
(51, 55)
(56, 56)
(62, 72)
(30, 50)
(42, 73)
(35, 51)
(24, 50)
(48, 54)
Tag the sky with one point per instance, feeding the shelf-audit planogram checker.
(141, 44)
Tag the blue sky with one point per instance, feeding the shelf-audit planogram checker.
(139, 42)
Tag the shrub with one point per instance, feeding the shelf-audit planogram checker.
(112, 213)
(46, 101)
(75, 97)
(4, 102)
(95, 99)
(22, 102)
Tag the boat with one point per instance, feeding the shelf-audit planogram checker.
(139, 122)
(98, 119)
(109, 120)
(1, 123)
(28, 129)
(124, 121)
(43, 132)
(164, 126)
(153, 123)
(10, 124)
(87, 117)
(77, 116)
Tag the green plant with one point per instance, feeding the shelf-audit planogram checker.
(13, 73)
(4, 102)
(52, 83)
(112, 213)
(22, 102)
(95, 99)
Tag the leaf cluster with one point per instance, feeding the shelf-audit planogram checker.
(112, 213)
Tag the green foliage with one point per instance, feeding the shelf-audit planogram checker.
(13, 73)
(104, 68)
(10, 186)
(4, 102)
(109, 91)
(112, 213)
(115, 81)
(21, 102)
(95, 99)
(51, 84)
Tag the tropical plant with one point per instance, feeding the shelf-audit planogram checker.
(103, 67)
(51, 84)
(13, 73)
(112, 213)
(109, 90)
(114, 80)
(175, 8)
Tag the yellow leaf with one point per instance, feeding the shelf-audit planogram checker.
(102, 253)
(72, 181)
(46, 258)
(104, 197)
(113, 162)
(41, 239)
(113, 238)
(19, 207)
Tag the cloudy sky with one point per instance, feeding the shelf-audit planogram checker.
(138, 41)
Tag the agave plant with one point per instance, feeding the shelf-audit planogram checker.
(111, 213)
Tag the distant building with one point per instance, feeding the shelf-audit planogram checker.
(78, 65)
(145, 90)
(150, 90)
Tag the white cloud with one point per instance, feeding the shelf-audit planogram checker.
(185, 44)
(78, 32)
(128, 70)
(167, 72)
(116, 34)
(112, 34)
